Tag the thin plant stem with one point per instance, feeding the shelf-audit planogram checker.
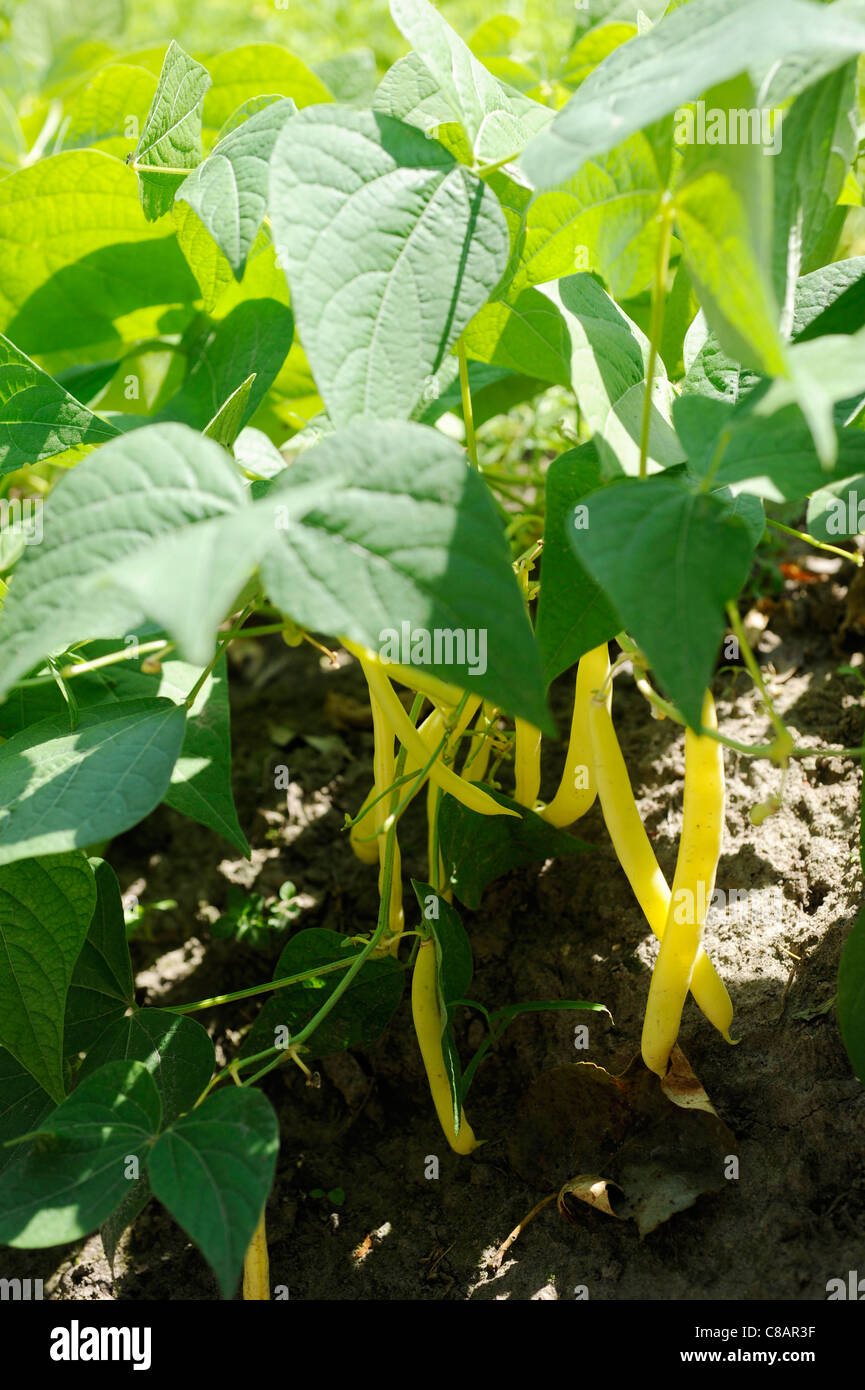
(854, 555)
(468, 416)
(656, 328)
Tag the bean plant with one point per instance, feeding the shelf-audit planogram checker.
(255, 321)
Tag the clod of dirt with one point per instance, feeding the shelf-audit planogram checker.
(642, 1147)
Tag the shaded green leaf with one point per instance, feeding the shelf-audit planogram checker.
(253, 340)
(573, 613)
(67, 278)
(213, 1171)
(478, 849)
(68, 1185)
(175, 1049)
(668, 558)
(359, 1016)
(115, 503)
(102, 986)
(60, 790)
(45, 908)
(37, 417)
(384, 524)
(609, 362)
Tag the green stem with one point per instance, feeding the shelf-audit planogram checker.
(161, 169)
(656, 327)
(819, 545)
(468, 416)
(220, 649)
(723, 441)
(333, 999)
(784, 741)
(128, 654)
(257, 989)
(749, 750)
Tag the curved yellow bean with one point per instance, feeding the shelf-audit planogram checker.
(527, 763)
(256, 1266)
(571, 801)
(693, 885)
(471, 796)
(428, 1027)
(637, 858)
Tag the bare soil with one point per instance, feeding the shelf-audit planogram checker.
(566, 929)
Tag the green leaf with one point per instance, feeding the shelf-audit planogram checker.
(99, 115)
(171, 135)
(819, 144)
(59, 790)
(609, 362)
(453, 976)
(175, 1050)
(241, 74)
(114, 504)
(497, 120)
(603, 220)
(253, 340)
(573, 613)
(830, 300)
(68, 1186)
(693, 47)
(358, 1018)
(723, 210)
(773, 458)
(256, 453)
(229, 190)
(102, 986)
(383, 525)
(179, 1056)
(87, 380)
(213, 1171)
(527, 334)
(204, 258)
(201, 780)
(45, 908)
(23, 1106)
(477, 849)
(823, 371)
(364, 209)
(131, 1206)
(228, 420)
(68, 278)
(668, 558)
(837, 512)
(711, 372)
(851, 996)
(37, 417)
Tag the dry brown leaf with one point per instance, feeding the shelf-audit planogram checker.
(642, 1147)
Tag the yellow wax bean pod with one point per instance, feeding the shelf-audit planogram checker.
(471, 796)
(256, 1266)
(693, 885)
(527, 763)
(428, 1027)
(637, 858)
(578, 787)
(384, 767)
